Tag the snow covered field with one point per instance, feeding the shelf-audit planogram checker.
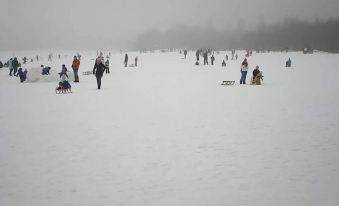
(167, 133)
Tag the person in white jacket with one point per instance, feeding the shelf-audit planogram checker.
(10, 66)
(243, 70)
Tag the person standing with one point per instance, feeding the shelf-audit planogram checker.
(75, 67)
(98, 70)
(212, 59)
(107, 66)
(10, 66)
(126, 60)
(15, 65)
(205, 58)
(136, 61)
(185, 53)
(243, 70)
(63, 71)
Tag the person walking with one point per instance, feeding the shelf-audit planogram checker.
(75, 67)
(98, 70)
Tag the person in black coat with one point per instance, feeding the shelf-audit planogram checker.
(197, 54)
(15, 64)
(212, 59)
(126, 60)
(98, 70)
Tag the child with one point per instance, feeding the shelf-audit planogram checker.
(22, 74)
(64, 85)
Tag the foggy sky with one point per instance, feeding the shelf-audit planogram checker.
(95, 24)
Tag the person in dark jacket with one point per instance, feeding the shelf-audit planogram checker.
(212, 59)
(136, 61)
(22, 74)
(63, 71)
(185, 53)
(1, 65)
(197, 54)
(15, 65)
(98, 70)
(126, 60)
(45, 70)
(205, 58)
(288, 62)
(223, 64)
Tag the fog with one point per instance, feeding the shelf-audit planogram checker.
(118, 24)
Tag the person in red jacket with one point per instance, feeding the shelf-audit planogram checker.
(75, 67)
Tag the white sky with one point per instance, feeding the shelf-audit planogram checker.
(87, 23)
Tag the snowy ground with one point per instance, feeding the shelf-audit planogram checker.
(167, 133)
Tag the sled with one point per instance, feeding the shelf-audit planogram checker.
(87, 73)
(228, 83)
(62, 91)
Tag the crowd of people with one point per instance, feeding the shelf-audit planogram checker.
(101, 67)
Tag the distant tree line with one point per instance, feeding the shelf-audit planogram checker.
(292, 34)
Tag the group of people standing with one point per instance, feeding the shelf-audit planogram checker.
(206, 53)
(135, 61)
(13, 65)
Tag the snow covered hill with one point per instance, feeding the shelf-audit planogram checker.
(167, 133)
